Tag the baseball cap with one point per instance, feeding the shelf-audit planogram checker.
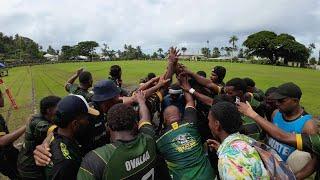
(75, 104)
(287, 90)
(105, 90)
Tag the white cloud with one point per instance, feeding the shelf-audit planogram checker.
(153, 24)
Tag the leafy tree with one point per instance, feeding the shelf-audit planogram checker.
(311, 47)
(233, 39)
(50, 50)
(107, 52)
(222, 51)
(312, 61)
(183, 49)
(261, 44)
(205, 51)
(228, 50)
(241, 53)
(67, 52)
(216, 52)
(154, 55)
(291, 50)
(272, 46)
(160, 50)
(87, 48)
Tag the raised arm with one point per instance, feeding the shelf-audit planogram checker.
(203, 81)
(73, 78)
(143, 109)
(162, 82)
(172, 63)
(267, 126)
(201, 97)
(148, 84)
(145, 125)
(7, 139)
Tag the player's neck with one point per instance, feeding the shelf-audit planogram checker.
(122, 136)
(222, 136)
(65, 132)
(294, 114)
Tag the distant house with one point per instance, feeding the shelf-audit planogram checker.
(81, 58)
(193, 57)
(104, 58)
(51, 57)
(316, 67)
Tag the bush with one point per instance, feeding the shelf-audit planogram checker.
(312, 61)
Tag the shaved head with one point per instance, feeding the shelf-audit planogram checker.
(171, 114)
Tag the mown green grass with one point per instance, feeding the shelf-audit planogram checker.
(49, 80)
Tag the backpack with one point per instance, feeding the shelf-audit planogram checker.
(276, 168)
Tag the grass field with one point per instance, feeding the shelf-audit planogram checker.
(30, 84)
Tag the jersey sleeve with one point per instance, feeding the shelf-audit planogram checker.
(71, 88)
(92, 167)
(66, 169)
(190, 115)
(40, 131)
(147, 128)
(310, 143)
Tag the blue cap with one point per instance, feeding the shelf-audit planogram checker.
(71, 106)
(105, 90)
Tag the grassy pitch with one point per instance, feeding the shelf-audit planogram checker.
(29, 84)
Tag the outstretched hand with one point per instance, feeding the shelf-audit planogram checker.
(140, 97)
(174, 55)
(183, 80)
(213, 144)
(246, 109)
(163, 82)
(79, 71)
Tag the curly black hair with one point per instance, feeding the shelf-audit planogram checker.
(220, 71)
(85, 77)
(115, 72)
(48, 102)
(228, 116)
(238, 84)
(121, 117)
(250, 82)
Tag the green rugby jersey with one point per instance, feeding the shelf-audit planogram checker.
(36, 132)
(311, 143)
(75, 89)
(135, 159)
(250, 127)
(183, 151)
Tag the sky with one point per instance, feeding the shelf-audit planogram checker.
(154, 24)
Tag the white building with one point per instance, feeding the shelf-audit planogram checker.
(51, 57)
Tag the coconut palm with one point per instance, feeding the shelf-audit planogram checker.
(233, 39)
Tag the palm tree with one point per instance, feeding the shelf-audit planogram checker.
(160, 50)
(233, 39)
(311, 47)
(183, 49)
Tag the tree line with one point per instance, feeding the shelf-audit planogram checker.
(264, 44)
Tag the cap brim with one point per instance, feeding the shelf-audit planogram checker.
(277, 96)
(105, 97)
(93, 111)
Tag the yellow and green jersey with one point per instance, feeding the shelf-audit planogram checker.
(183, 151)
(136, 159)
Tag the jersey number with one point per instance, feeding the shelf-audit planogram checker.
(149, 175)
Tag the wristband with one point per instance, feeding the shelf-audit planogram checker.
(142, 123)
(299, 142)
(191, 91)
